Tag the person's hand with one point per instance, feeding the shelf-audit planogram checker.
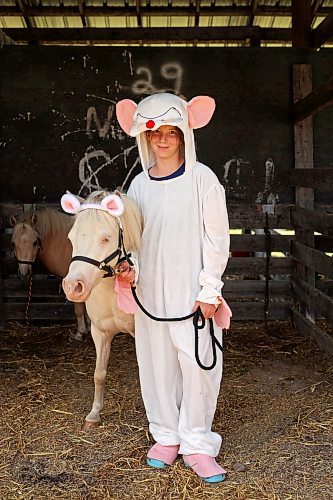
(208, 310)
(125, 272)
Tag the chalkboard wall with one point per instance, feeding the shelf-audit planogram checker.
(59, 130)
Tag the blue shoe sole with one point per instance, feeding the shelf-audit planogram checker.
(157, 464)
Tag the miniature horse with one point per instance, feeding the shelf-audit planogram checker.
(42, 235)
(106, 224)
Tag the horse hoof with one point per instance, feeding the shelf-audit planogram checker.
(88, 425)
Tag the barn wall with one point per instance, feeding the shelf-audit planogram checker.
(59, 132)
(59, 129)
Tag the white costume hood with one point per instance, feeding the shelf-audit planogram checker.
(164, 109)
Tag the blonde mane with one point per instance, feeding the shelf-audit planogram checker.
(131, 219)
(49, 222)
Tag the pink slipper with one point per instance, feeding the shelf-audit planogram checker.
(205, 467)
(160, 456)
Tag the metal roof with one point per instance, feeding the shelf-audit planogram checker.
(223, 22)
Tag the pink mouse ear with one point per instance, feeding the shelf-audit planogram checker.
(113, 204)
(70, 204)
(125, 110)
(200, 110)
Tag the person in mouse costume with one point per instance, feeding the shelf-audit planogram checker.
(184, 252)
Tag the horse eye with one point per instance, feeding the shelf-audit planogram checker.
(35, 243)
(105, 239)
(12, 244)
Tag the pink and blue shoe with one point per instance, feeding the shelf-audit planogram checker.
(160, 456)
(205, 467)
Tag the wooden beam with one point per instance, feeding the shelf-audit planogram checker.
(23, 10)
(314, 220)
(304, 326)
(316, 5)
(303, 145)
(314, 101)
(127, 35)
(323, 32)
(313, 259)
(81, 10)
(315, 178)
(138, 13)
(321, 303)
(197, 13)
(155, 10)
(253, 9)
(301, 23)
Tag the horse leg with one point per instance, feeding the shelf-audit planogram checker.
(87, 319)
(79, 309)
(102, 342)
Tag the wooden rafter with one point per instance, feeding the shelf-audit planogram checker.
(138, 13)
(81, 10)
(24, 11)
(323, 32)
(316, 5)
(148, 10)
(197, 13)
(253, 9)
(318, 99)
(301, 23)
(149, 34)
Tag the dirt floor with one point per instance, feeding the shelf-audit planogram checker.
(275, 412)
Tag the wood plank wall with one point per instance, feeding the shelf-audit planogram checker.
(244, 279)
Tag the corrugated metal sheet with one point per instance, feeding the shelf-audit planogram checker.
(74, 20)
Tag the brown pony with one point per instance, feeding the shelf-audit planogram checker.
(42, 235)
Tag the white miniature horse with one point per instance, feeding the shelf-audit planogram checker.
(105, 224)
(42, 235)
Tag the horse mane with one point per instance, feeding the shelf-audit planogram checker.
(49, 221)
(131, 219)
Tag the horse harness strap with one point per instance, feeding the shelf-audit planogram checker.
(104, 265)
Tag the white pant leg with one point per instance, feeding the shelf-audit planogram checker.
(200, 389)
(160, 378)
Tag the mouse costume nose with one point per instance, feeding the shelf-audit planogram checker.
(150, 124)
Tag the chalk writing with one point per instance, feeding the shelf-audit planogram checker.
(169, 71)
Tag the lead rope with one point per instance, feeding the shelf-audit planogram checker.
(26, 313)
(199, 323)
(268, 258)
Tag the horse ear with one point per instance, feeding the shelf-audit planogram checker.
(200, 110)
(33, 219)
(125, 110)
(70, 204)
(118, 193)
(12, 220)
(113, 204)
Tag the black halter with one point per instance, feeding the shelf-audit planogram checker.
(104, 265)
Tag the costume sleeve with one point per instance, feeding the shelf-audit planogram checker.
(215, 246)
(134, 256)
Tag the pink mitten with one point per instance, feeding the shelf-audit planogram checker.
(223, 314)
(125, 299)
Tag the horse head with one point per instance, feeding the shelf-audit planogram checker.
(26, 243)
(105, 225)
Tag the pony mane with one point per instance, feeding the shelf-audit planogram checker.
(49, 221)
(131, 219)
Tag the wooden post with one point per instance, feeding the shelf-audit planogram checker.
(301, 23)
(303, 141)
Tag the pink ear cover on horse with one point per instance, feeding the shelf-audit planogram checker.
(125, 110)
(125, 299)
(70, 204)
(200, 110)
(222, 315)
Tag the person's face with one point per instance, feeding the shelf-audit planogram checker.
(165, 141)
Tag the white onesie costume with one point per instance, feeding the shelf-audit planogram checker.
(184, 252)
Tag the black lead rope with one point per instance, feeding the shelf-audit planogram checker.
(199, 323)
